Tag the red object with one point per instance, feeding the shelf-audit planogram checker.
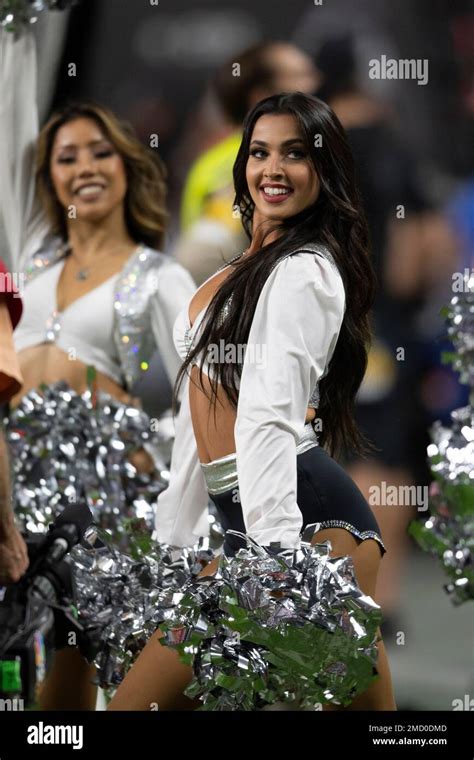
(11, 293)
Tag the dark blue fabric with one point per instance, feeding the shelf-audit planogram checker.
(324, 492)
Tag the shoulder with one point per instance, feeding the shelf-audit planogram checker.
(150, 259)
(311, 268)
(161, 270)
(51, 251)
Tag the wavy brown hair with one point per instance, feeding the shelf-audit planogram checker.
(336, 220)
(145, 212)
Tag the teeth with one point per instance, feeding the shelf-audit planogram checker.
(89, 190)
(275, 191)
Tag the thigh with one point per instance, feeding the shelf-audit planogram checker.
(365, 555)
(156, 681)
(69, 684)
(158, 678)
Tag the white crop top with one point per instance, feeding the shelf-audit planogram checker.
(84, 330)
(297, 320)
(185, 336)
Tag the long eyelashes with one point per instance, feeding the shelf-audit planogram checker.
(100, 155)
(295, 155)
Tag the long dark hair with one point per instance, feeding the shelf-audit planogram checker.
(337, 221)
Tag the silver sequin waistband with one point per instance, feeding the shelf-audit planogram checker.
(221, 474)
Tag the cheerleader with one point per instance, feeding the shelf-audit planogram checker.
(98, 294)
(259, 437)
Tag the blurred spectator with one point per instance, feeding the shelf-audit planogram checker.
(211, 231)
(460, 213)
(441, 391)
(412, 249)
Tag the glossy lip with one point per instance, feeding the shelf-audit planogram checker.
(275, 184)
(90, 184)
(275, 198)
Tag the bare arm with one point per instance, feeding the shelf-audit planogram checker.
(4, 482)
(13, 554)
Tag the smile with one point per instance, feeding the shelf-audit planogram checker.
(89, 191)
(276, 194)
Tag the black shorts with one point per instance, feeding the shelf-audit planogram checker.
(325, 494)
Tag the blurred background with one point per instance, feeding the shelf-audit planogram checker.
(167, 68)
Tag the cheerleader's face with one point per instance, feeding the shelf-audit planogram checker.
(281, 177)
(87, 172)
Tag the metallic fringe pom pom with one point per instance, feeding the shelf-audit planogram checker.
(268, 627)
(449, 532)
(70, 448)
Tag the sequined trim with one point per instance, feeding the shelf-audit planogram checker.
(53, 327)
(135, 290)
(314, 401)
(224, 312)
(187, 339)
(221, 474)
(348, 526)
(52, 250)
(307, 440)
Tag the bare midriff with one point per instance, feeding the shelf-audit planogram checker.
(46, 363)
(213, 425)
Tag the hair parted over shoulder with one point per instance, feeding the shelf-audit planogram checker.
(336, 220)
(145, 210)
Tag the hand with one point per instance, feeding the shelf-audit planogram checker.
(142, 461)
(211, 568)
(13, 553)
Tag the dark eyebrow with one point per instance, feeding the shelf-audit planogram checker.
(285, 144)
(91, 144)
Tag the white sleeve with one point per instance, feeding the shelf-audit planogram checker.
(22, 223)
(174, 289)
(181, 513)
(293, 334)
